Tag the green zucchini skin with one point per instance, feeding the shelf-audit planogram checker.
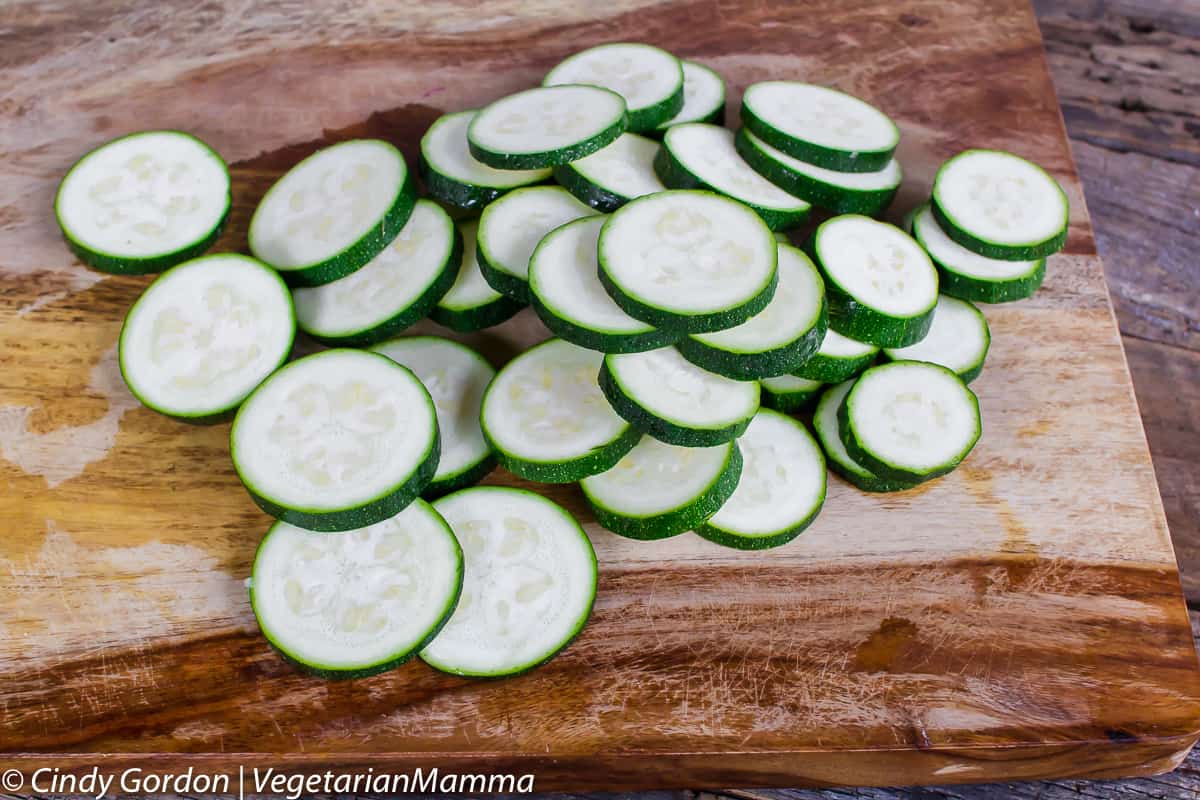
(469, 320)
(587, 192)
(828, 369)
(788, 402)
(662, 429)
(570, 471)
(650, 117)
(382, 666)
(677, 520)
(421, 308)
(468, 477)
(829, 158)
(873, 484)
(675, 175)
(1030, 252)
(551, 158)
(366, 248)
(599, 340)
(755, 366)
(977, 290)
(503, 282)
(466, 196)
(742, 542)
(851, 318)
(835, 199)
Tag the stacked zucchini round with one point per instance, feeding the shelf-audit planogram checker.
(682, 329)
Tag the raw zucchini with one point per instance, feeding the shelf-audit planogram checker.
(825, 423)
(958, 340)
(839, 358)
(700, 156)
(393, 290)
(660, 490)
(880, 284)
(456, 377)
(333, 212)
(688, 261)
(544, 127)
(204, 335)
(867, 193)
(1001, 206)
(570, 300)
(454, 176)
(471, 304)
(776, 340)
(547, 419)
(788, 393)
(529, 587)
(781, 489)
(909, 421)
(650, 79)
(820, 125)
(337, 440)
(970, 276)
(611, 177)
(360, 603)
(703, 96)
(673, 400)
(143, 202)
(511, 228)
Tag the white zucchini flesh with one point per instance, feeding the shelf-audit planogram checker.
(551, 119)
(945, 250)
(645, 76)
(511, 227)
(878, 264)
(444, 147)
(546, 405)
(470, 289)
(688, 252)
(366, 598)
(529, 586)
(707, 151)
(835, 345)
(822, 116)
(1001, 198)
(703, 94)
(792, 311)
(144, 195)
(670, 387)
(887, 178)
(958, 339)
(790, 384)
(625, 167)
(456, 377)
(655, 478)
(205, 334)
(390, 282)
(333, 431)
(326, 203)
(564, 277)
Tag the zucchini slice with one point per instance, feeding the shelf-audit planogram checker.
(337, 440)
(204, 335)
(665, 395)
(822, 126)
(333, 212)
(648, 78)
(825, 423)
(776, 340)
(1001, 206)
(788, 392)
(970, 276)
(544, 127)
(880, 284)
(360, 603)
(548, 421)
(393, 290)
(688, 261)
(958, 340)
(511, 228)
(472, 304)
(909, 421)
(456, 378)
(703, 96)
(143, 202)
(529, 588)
(700, 156)
(838, 359)
(868, 193)
(660, 490)
(454, 176)
(571, 301)
(611, 177)
(781, 490)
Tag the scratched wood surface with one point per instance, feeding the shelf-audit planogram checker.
(1021, 618)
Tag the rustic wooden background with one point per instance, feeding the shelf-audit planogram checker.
(1128, 77)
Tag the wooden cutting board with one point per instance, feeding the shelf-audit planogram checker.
(1020, 618)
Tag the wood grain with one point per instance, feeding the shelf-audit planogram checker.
(1021, 618)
